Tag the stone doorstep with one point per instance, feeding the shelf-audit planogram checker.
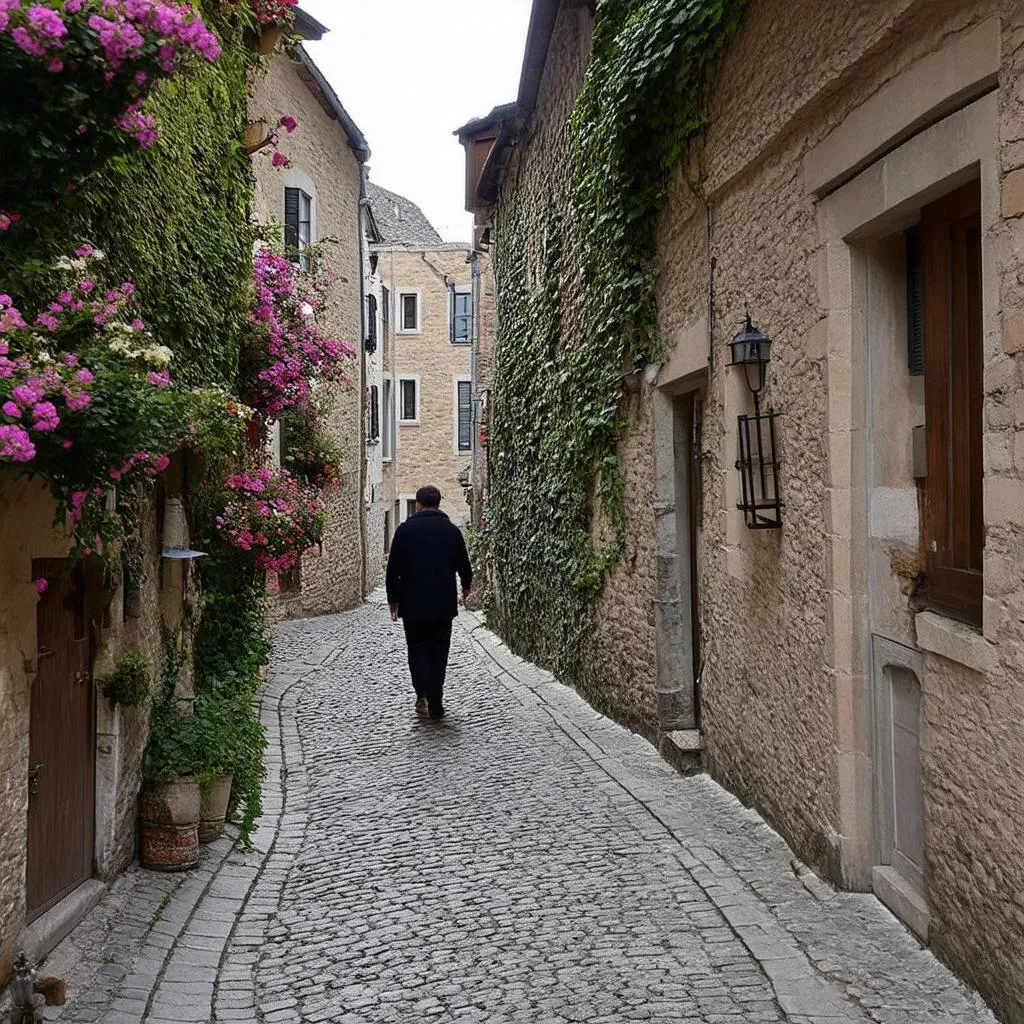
(46, 931)
(902, 899)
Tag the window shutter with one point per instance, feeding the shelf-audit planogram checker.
(915, 305)
(465, 413)
(371, 323)
(291, 222)
(374, 412)
(451, 312)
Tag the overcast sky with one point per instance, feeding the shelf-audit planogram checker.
(412, 71)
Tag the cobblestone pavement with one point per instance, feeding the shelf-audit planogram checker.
(525, 860)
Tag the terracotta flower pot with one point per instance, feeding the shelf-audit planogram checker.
(254, 136)
(269, 38)
(214, 808)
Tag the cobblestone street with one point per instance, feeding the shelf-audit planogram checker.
(525, 860)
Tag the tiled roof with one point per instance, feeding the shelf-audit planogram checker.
(400, 221)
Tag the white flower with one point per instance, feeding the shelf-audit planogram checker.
(158, 355)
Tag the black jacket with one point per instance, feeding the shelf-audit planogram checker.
(426, 553)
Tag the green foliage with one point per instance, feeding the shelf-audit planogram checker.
(130, 681)
(310, 452)
(558, 400)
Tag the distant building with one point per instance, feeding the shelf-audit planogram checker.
(426, 330)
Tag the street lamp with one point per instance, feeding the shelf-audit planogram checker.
(751, 348)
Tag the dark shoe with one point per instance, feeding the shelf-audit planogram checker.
(436, 711)
(421, 705)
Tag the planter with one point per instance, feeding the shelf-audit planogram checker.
(169, 812)
(269, 38)
(255, 136)
(169, 847)
(214, 808)
(170, 801)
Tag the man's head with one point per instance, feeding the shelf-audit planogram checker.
(428, 497)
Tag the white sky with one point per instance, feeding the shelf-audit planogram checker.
(412, 71)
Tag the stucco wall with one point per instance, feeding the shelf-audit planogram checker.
(325, 167)
(426, 452)
(26, 514)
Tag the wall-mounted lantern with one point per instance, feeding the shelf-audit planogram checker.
(757, 462)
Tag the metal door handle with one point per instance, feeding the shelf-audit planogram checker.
(45, 652)
(82, 677)
(33, 778)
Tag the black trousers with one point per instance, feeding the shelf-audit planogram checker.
(428, 644)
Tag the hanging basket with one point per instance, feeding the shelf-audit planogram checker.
(269, 38)
(255, 136)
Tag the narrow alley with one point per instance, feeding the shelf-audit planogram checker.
(525, 860)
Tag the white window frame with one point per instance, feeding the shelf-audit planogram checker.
(398, 400)
(399, 296)
(403, 506)
(461, 378)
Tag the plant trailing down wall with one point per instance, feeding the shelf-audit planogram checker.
(557, 401)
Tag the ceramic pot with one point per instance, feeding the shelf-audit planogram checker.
(214, 808)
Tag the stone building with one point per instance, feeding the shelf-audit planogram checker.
(426, 400)
(854, 673)
(316, 198)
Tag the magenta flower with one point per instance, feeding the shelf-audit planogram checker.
(41, 586)
(288, 123)
(11, 409)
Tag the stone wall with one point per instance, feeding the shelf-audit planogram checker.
(326, 168)
(806, 101)
(426, 452)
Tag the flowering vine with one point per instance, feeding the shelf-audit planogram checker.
(270, 517)
(74, 78)
(290, 353)
(86, 398)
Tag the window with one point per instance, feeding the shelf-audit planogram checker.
(408, 400)
(374, 432)
(385, 309)
(464, 415)
(460, 327)
(290, 581)
(298, 225)
(388, 440)
(410, 507)
(950, 241)
(371, 323)
(408, 312)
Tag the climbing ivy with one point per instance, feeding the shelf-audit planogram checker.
(557, 520)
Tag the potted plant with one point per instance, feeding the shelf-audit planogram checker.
(273, 16)
(217, 723)
(170, 802)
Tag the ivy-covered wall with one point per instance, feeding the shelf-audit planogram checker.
(574, 263)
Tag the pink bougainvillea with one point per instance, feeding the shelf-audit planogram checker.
(292, 351)
(274, 12)
(271, 518)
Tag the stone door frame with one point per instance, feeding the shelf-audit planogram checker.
(957, 148)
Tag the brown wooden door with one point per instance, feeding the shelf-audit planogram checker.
(62, 750)
(954, 398)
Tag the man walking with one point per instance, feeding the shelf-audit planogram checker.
(427, 552)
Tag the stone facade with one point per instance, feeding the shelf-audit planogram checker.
(427, 448)
(327, 167)
(830, 128)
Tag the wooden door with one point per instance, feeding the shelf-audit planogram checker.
(62, 743)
